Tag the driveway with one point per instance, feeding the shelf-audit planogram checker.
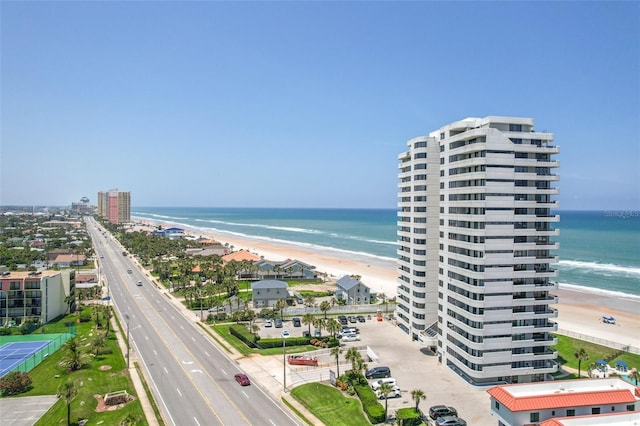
(26, 410)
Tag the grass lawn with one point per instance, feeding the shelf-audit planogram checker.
(568, 346)
(91, 380)
(329, 405)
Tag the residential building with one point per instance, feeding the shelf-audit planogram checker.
(475, 260)
(289, 269)
(69, 260)
(115, 206)
(35, 296)
(535, 403)
(266, 293)
(353, 291)
(617, 419)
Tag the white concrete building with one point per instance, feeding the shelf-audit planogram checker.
(590, 401)
(474, 233)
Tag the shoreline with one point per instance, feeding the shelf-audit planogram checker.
(579, 310)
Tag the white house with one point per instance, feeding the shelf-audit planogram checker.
(353, 291)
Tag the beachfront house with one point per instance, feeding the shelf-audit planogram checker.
(70, 260)
(265, 293)
(286, 269)
(534, 403)
(352, 291)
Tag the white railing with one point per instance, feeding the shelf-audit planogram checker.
(603, 342)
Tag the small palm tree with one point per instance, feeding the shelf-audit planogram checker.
(352, 356)
(308, 319)
(417, 395)
(280, 305)
(74, 357)
(635, 375)
(68, 391)
(97, 343)
(336, 351)
(385, 389)
(581, 355)
(324, 307)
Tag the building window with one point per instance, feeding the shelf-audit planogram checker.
(497, 405)
(571, 412)
(534, 417)
(595, 410)
(631, 407)
(515, 127)
(441, 135)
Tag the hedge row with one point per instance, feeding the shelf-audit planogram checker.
(408, 417)
(241, 332)
(373, 409)
(277, 342)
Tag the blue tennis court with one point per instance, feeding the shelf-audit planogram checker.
(14, 353)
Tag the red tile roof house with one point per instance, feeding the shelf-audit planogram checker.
(618, 419)
(68, 260)
(533, 403)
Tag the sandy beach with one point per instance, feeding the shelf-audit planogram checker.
(578, 311)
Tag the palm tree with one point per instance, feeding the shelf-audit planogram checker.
(385, 389)
(74, 357)
(417, 395)
(581, 355)
(324, 307)
(319, 324)
(332, 326)
(97, 343)
(352, 355)
(280, 305)
(308, 319)
(309, 301)
(68, 391)
(107, 318)
(336, 351)
(635, 375)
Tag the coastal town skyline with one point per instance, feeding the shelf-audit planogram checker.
(304, 104)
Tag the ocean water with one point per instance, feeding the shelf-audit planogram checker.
(599, 251)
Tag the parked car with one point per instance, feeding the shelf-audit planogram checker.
(278, 323)
(296, 322)
(242, 379)
(450, 421)
(268, 323)
(360, 318)
(351, 337)
(139, 283)
(306, 333)
(376, 383)
(129, 271)
(285, 333)
(395, 393)
(352, 319)
(378, 372)
(441, 411)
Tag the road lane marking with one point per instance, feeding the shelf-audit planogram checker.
(223, 372)
(146, 337)
(271, 421)
(196, 420)
(193, 338)
(155, 353)
(245, 395)
(179, 393)
(187, 362)
(196, 371)
(207, 353)
(165, 369)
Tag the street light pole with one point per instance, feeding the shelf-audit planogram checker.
(284, 364)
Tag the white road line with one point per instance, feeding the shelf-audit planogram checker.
(206, 353)
(193, 338)
(271, 421)
(156, 353)
(223, 372)
(182, 327)
(196, 420)
(165, 370)
(245, 395)
(146, 337)
(179, 393)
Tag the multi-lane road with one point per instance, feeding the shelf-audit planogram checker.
(192, 379)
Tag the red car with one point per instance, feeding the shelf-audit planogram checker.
(242, 379)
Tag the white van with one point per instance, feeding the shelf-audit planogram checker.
(376, 383)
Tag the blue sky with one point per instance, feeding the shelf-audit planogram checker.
(304, 104)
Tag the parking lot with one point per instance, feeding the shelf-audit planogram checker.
(413, 366)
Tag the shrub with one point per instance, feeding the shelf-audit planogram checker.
(85, 316)
(266, 313)
(5, 331)
(277, 342)
(15, 383)
(243, 334)
(28, 327)
(372, 408)
(408, 417)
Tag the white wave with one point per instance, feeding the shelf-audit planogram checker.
(608, 267)
(594, 290)
(159, 216)
(257, 225)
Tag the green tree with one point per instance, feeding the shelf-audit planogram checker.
(74, 358)
(97, 343)
(332, 326)
(418, 395)
(324, 307)
(308, 320)
(336, 351)
(635, 375)
(309, 301)
(280, 305)
(581, 355)
(385, 389)
(67, 391)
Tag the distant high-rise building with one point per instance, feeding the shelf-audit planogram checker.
(115, 206)
(475, 259)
